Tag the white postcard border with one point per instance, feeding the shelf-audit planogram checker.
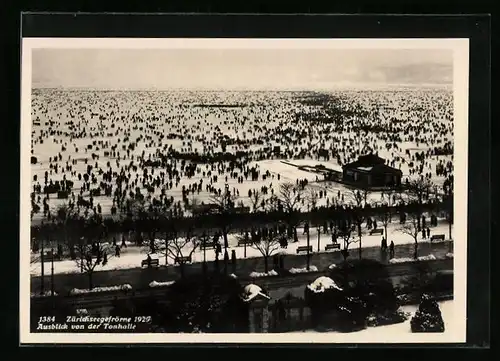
(455, 328)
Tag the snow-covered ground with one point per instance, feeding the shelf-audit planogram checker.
(71, 121)
(131, 257)
(391, 332)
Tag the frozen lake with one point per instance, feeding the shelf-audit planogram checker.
(111, 131)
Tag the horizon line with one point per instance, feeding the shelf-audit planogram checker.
(201, 89)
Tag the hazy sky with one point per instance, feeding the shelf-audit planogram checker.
(238, 68)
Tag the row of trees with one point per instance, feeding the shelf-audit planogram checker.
(85, 234)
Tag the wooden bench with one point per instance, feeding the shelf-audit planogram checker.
(332, 246)
(155, 262)
(379, 231)
(208, 245)
(179, 260)
(437, 237)
(304, 249)
(47, 255)
(242, 242)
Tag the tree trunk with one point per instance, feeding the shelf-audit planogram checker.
(152, 242)
(415, 253)
(42, 265)
(91, 286)
(319, 237)
(360, 237)
(265, 264)
(181, 269)
(295, 236)
(224, 234)
(308, 255)
(245, 245)
(81, 258)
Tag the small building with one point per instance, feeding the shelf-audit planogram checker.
(371, 171)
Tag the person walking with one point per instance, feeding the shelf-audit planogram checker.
(383, 244)
(391, 249)
(233, 260)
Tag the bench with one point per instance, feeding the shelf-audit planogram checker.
(437, 237)
(47, 255)
(179, 260)
(208, 245)
(332, 246)
(155, 262)
(242, 242)
(304, 249)
(379, 231)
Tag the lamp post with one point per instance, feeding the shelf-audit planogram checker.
(42, 265)
(52, 271)
(319, 236)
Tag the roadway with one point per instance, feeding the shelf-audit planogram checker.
(276, 286)
(140, 278)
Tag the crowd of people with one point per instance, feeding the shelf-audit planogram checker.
(99, 151)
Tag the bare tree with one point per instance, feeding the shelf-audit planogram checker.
(312, 198)
(411, 228)
(358, 200)
(91, 251)
(267, 246)
(419, 190)
(256, 199)
(204, 242)
(385, 209)
(290, 196)
(225, 203)
(448, 202)
(179, 249)
(90, 256)
(273, 203)
(345, 232)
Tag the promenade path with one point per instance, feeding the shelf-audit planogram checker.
(140, 278)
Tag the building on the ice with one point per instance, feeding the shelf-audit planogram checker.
(371, 171)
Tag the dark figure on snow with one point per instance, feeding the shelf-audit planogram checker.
(428, 233)
(391, 249)
(117, 251)
(148, 260)
(216, 262)
(275, 261)
(383, 244)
